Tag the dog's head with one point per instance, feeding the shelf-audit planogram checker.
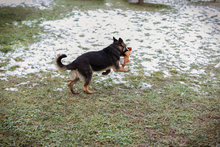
(121, 45)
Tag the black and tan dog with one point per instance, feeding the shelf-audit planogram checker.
(103, 60)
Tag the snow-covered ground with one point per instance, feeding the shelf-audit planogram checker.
(162, 40)
(41, 4)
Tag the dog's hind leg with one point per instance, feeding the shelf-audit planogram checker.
(70, 85)
(87, 81)
(86, 89)
(86, 77)
(73, 79)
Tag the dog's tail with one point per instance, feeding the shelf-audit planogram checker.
(59, 64)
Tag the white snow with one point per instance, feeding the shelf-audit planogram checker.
(11, 89)
(217, 65)
(23, 83)
(145, 85)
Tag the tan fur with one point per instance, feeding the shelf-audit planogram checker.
(75, 76)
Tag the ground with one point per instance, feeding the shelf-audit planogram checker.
(169, 98)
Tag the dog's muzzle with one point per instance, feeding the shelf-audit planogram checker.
(126, 49)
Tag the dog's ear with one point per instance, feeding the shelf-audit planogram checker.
(120, 41)
(114, 39)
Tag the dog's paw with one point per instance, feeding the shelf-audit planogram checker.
(75, 93)
(126, 70)
(90, 92)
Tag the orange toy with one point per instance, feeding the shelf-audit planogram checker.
(126, 58)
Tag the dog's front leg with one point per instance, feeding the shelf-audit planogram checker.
(120, 69)
(106, 72)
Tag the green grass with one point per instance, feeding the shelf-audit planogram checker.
(151, 5)
(167, 114)
(10, 14)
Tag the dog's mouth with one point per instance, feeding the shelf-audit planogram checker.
(126, 49)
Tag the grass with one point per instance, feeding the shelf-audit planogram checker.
(152, 5)
(12, 31)
(43, 112)
(168, 114)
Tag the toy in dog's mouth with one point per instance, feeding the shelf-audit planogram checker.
(125, 59)
(122, 59)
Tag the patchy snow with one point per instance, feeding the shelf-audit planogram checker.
(58, 89)
(11, 89)
(195, 72)
(41, 4)
(145, 85)
(183, 83)
(217, 65)
(163, 40)
(23, 83)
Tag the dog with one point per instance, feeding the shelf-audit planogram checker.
(83, 67)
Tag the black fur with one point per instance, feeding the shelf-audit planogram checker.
(95, 61)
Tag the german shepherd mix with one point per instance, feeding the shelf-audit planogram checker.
(103, 60)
